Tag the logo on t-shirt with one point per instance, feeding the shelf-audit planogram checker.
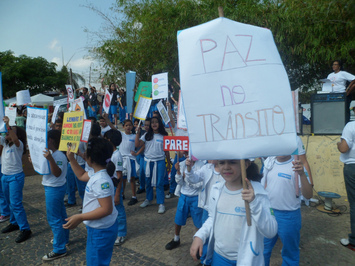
(59, 163)
(105, 186)
(119, 163)
(240, 210)
(284, 175)
(272, 211)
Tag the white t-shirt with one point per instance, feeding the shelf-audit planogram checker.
(339, 80)
(117, 160)
(11, 159)
(127, 145)
(300, 146)
(99, 186)
(154, 148)
(104, 130)
(349, 136)
(53, 181)
(280, 186)
(229, 219)
(216, 178)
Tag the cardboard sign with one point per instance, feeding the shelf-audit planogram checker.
(23, 97)
(86, 130)
(142, 108)
(237, 96)
(70, 93)
(78, 106)
(11, 113)
(130, 81)
(2, 114)
(181, 119)
(144, 89)
(160, 86)
(174, 143)
(36, 130)
(71, 131)
(163, 112)
(107, 101)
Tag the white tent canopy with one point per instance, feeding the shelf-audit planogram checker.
(41, 99)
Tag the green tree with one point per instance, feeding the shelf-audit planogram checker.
(309, 34)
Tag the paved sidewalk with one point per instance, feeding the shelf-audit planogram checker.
(149, 232)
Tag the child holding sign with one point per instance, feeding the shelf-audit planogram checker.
(13, 180)
(283, 185)
(99, 214)
(229, 235)
(54, 188)
(154, 162)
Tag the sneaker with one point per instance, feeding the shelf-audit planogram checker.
(140, 191)
(132, 201)
(344, 241)
(120, 240)
(145, 204)
(4, 218)
(10, 228)
(53, 256)
(172, 244)
(69, 205)
(169, 196)
(23, 236)
(161, 209)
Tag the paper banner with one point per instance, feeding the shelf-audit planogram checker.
(107, 101)
(78, 106)
(23, 97)
(160, 86)
(2, 110)
(71, 131)
(181, 119)
(237, 96)
(176, 143)
(11, 113)
(142, 107)
(144, 89)
(163, 112)
(130, 81)
(70, 93)
(36, 130)
(86, 131)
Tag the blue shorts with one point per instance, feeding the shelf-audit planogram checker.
(113, 110)
(133, 170)
(188, 205)
(222, 261)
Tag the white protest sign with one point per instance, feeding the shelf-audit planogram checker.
(142, 107)
(327, 85)
(23, 97)
(70, 93)
(237, 96)
(160, 86)
(36, 129)
(86, 131)
(107, 101)
(78, 106)
(163, 113)
(2, 114)
(181, 119)
(11, 113)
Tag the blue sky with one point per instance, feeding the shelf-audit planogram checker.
(46, 27)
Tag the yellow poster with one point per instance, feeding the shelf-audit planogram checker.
(71, 131)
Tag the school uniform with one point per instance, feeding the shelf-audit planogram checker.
(54, 189)
(4, 206)
(117, 160)
(154, 166)
(12, 182)
(247, 246)
(129, 161)
(101, 233)
(284, 189)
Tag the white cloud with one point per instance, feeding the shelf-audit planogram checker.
(57, 60)
(81, 63)
(54, 45)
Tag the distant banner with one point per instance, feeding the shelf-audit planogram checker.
(142, 108)
(144, 89)
(107, 101)
(2, 111)
(181, 119)
(130, 81)
(36, 130)
(160, 86)
(174, 143)
(163, 112)
(11, 113)
(71, 131)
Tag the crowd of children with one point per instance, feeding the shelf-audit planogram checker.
(211, 193)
